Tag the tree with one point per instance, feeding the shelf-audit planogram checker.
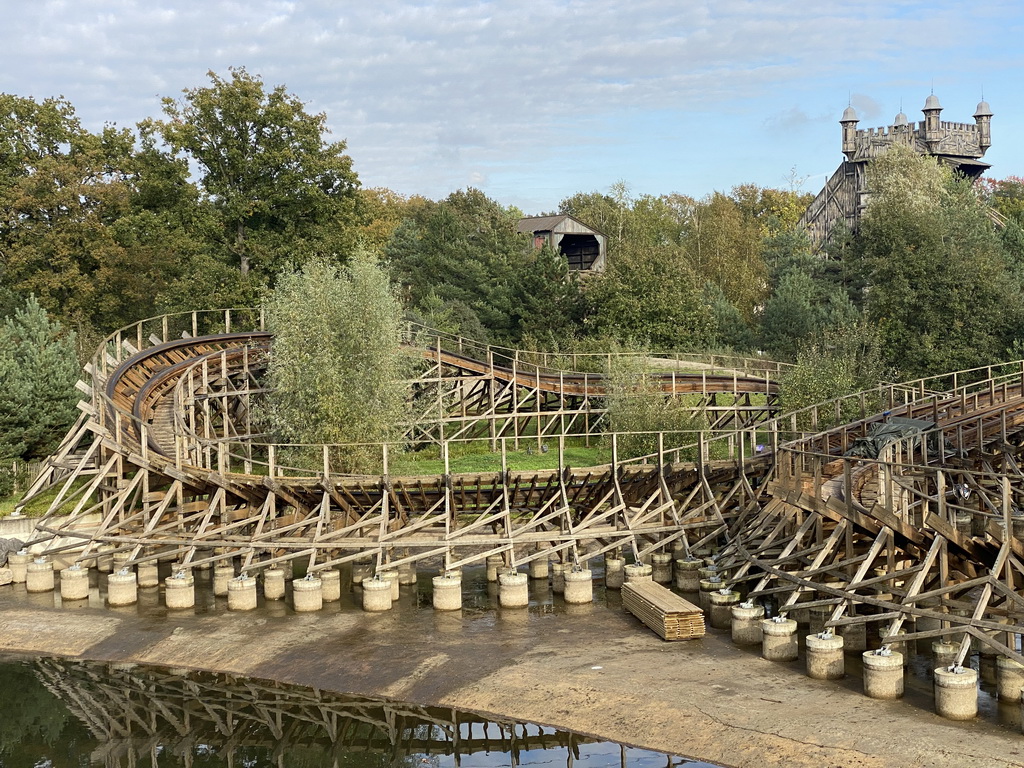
(938, 283)
(280, 189)
(336, 370)
(39, 370)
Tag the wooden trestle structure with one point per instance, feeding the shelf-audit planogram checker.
(925, 540)
(137, 713)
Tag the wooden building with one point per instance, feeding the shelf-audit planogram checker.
(584, 247)
(843, 199)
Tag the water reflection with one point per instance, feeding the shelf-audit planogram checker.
(127, 716)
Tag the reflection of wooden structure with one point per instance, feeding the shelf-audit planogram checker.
(137, 713)
(583, 247)
(167, 457)
(843, 199)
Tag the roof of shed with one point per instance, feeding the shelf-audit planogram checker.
(549, 223)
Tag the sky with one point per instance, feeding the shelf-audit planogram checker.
(532, 102)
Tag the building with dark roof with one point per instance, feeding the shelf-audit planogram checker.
(845, 195)
(583, 247)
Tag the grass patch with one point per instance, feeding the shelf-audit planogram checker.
(38, 506)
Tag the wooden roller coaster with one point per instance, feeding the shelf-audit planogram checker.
(921, 541)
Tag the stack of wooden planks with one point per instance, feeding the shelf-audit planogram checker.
(672, 617)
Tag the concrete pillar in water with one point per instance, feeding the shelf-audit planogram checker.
(376, 594)
(883, 674)
(105, 559)
(817, 616)
(707, 586)
(390, 575)
(242, 593)
(721, 602)
(1009, 679)
(661, 567)
(558, 577)
(222, 574)
(307, 594)
(579, 587)
(987, 668)
(180, 590)
(18, 563)
(855, 637)
(39, 575)
(331, 581)
(895, 644)
(825, 660)
(273, 583)
(149, 575)
(362, 569)
(944, 652)
(638, 572)
(956, 693)
(539, 568)
(778, 639)
(614, 575)
(746, 623)
(513, 589)
(447, 593)
(122, 588)
(120, 560)
(688, 575)
(74, 583)
(406, 574)
(494, 563)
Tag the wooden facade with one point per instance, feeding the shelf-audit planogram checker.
(845, 195)
(583, 247)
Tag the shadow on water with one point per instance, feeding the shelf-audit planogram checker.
(64, 714)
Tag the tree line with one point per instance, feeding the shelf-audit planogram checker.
(236, 186)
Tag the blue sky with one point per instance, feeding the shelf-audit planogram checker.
(534, 101)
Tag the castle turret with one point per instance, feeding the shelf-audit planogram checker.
(849, 122)
(932, 127)
(983, 118)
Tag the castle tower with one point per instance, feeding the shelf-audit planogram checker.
(849, 122)
(932, 123)
(983, 119)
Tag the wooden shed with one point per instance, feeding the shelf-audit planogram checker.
(583, 247)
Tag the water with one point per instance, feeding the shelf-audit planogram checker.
(69, 714)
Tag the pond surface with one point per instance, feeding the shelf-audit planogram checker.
(70, 714)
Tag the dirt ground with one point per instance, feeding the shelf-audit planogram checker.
(593, 669)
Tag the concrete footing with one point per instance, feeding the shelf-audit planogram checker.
(614, 573)
(376, 595)
(944, 652)
(746, 623)
(825, 659)
(406, 575)
(447, 593)
(721, 603)
(778, 639)
(687, 575)
(242, 593)
(307, 594)
(956, 693)
(148, 575)
(539, 568)
(707, 586)
(390, 575)
(558, 578)
(638, 572)
(1009, 679)
(119, 561)
(855, 637)
(883, 674)
(180, 590)
(222, 574)
(331, 581)
(494, 564)
(39, 576)
(273, 583)
(513, 589)
(122, 588)
(18, 563)
(661, 568)
(579, 587)
(74, 583)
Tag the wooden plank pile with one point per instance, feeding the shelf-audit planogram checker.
(669, 615)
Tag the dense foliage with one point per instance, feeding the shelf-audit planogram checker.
(237, 188)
